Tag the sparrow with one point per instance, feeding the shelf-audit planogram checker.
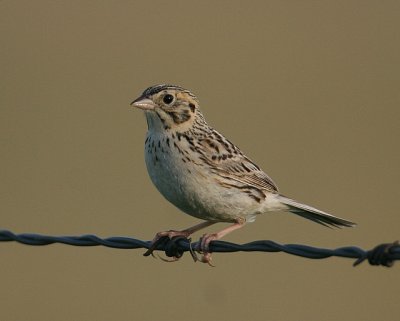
(204, 174)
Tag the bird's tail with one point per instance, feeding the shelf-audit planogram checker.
(314, 214)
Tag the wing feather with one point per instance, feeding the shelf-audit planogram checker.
(228, 161)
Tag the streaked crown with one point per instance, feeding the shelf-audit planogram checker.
(169, 107)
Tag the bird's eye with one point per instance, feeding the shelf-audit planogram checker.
(168, 99)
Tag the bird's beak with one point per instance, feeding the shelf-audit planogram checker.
(143, 103)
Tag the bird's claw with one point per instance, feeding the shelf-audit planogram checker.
(203, 248)
(158, 240)
(163, 238)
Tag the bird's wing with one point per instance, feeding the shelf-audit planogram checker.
(243, 170)
(227, 161)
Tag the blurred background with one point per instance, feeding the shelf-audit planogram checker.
(308, 89)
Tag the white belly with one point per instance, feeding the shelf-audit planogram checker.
(194, 189)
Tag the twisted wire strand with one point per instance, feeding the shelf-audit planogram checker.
(384, 254)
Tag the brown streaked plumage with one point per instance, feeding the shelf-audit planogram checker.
(204, 174)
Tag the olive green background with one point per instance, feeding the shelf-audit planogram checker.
(308, 89)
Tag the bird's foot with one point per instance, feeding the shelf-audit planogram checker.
(164, 237)
(204, 249)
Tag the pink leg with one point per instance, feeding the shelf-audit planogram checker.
(198, 227)
(172, 233)
(207, 238)
(185, 232)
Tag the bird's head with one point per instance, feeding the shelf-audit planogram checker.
(168, 107)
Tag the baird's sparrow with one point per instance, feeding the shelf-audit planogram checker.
(205, 175)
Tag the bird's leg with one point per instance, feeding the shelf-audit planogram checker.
(184, 233)
(161, 236)
(207, 238)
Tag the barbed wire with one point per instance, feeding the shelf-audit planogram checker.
(384, 254)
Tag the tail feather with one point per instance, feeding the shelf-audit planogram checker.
(314, 214)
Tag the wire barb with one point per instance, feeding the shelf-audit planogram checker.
(380, 255)
(384, 254)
